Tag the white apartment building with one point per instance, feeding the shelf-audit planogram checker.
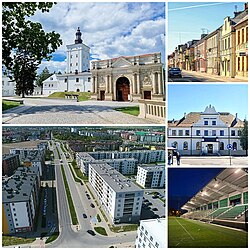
(206, 133)
(8, 86)
(151, 176)
(119, 197)
(20, 199)
(142, 156)
(124, 166)
(152, 234)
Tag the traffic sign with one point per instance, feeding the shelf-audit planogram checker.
(229, 146)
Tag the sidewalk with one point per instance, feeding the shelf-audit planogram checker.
(214, 77)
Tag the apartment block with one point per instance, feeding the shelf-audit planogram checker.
(9, 164)
(20, 199)
(120, 198)
(151, 234)
(151, 176)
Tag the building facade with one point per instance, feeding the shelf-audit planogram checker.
(119, 196)
(10, 163)
(20, 201)
(128, 78)
(77, 77)
(206, 133)
(200, 55)
(241, 30)
(151, 234)
(151, 176)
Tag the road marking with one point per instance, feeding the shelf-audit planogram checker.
(185, 229)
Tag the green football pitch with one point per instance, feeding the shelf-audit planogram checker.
(189, 233)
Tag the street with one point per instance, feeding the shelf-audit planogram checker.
(70, 237)
(193, 76)
(60, 111)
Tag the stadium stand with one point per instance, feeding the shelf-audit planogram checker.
(224, 200)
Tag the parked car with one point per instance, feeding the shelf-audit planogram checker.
(146, 200)
(155, 209)
(84, 216)
(91, 232)
(174, 72)
(92, 205)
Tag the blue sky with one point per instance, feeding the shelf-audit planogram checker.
(195, 97)
(109, 29)
(186, 21)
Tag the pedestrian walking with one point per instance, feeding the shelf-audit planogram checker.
(178, 158)
(169, 158)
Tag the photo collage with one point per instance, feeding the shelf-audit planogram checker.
(125, 124)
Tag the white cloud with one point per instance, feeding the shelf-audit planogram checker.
(109, 29)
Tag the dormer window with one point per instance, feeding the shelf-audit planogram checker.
(214, 123)
(206, 123)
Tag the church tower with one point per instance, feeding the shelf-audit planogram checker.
(78, 56)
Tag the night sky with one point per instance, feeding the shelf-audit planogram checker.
(184, 183)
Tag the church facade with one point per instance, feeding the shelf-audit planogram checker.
(206, 133)
(128, 78)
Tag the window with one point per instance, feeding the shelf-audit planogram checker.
(71, 64)
(185, 145)
(187, 132)
(213, 132)
(205, 122)
(70, 56)
(205, 132)
(239, 132)
(77, 79)
(232, 132)
(242, 36)
(156, 244)
(151, 238)
(238, 37)
(221, 132)
(174, 132)
(89, 79)
(198, 132)
(213, 123)
(76, 55)
(175, 144)
(221, 145)
(146, 232)
(65, 80)
(76, 64)
(180, 132)
(198, 145)
(234, 146)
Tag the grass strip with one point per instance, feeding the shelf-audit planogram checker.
(103, 214)
(11, 240)
(53, 237)
(101, 230)
(82, 96)
(127, 228)
(9, 105)
(135, 111)
(98, 218)
(70, 200)
(73, 173)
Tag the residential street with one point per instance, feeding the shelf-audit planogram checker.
(60, 111)
(193, 76)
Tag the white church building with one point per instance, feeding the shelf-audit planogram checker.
(206, 133)
(77, 77)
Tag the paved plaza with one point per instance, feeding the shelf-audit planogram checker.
(60, 111)
(211, 161)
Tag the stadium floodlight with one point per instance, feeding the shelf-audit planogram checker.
(237, 171)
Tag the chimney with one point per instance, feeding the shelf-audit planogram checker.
(246, 6)
(185, 115)
(236, 116)
(173, 121)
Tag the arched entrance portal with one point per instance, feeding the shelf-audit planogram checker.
(122, 89)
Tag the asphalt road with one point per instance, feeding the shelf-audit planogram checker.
(60, 111)
(189, 77)
(69, 238)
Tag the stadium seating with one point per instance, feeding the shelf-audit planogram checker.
(217, 212)
(233, 213)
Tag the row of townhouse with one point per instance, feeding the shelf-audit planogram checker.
(20, 200)
(222, 52)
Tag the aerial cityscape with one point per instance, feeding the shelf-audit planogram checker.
(84, 186)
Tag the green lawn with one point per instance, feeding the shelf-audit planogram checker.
(53, 237)
(9, 104)
(126, 228)
(101, 230)
(82, 96)
(9, 240)
(129, 110)
(195, 234)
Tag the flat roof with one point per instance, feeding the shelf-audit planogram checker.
(115, 179)
(19, 186)
(153, 167)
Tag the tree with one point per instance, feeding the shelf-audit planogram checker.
(244, 137)
(43, 76)
(24, 41)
